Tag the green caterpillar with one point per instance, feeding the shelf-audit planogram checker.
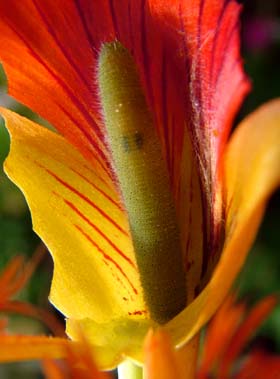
(144, 183)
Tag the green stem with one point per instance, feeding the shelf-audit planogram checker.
(129, 370)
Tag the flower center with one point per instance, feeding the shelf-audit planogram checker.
(143, 182)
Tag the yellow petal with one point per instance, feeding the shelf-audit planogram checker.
(114, 340)
(252, 165)
(252, 172)
(76, 212)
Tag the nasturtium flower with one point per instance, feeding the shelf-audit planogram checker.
(162, 71)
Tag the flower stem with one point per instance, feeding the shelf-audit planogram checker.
(129, 370)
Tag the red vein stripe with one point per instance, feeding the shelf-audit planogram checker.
(138, 313)
(144, 42)
(107, 257)
(107, 264)
(114, 18)
(116, 277)
(109, 184)
(131, 33)
(215, 38)
(172, 153)
(190, 200)
(83, 22)
(96, 188)
(90, 223)
(164, 108)
(86, 199)
(68, 57)
(100, 250)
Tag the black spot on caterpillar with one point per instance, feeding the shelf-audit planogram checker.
(132, 142)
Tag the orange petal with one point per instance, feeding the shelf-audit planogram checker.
(17, 273)
(219, 334)
(78, 359)
(52, 369)
(78, 363)
(160, 358)
(19, 348)
(9, 282)
(3, 325)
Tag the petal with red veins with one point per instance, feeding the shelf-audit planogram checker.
(77, 212)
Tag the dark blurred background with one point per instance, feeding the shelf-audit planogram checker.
(260, 276)
(261, 52)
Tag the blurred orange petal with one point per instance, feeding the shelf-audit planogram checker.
(245, 331)
(160, 357)
(17, 273)
(219, 333)
(21, 347)
(53, 370)
(30, 310)
(226, 336)
(78, 363)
